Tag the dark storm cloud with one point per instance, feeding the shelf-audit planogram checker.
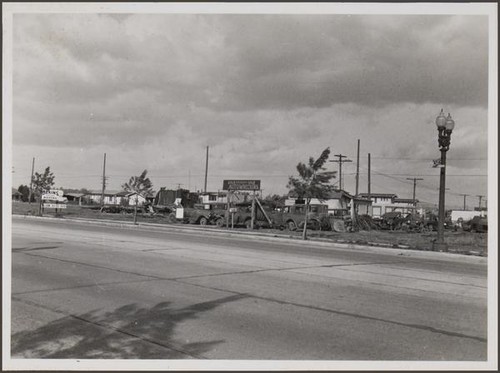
(318, 61)
(264, 91)
(266, 61)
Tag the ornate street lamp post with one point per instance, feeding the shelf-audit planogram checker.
(445, 127)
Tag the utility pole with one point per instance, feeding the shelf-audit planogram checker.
(206, 171)
(103, 180)
(414, 186)
(369, 176)
(357, 171)
(480, 198)
(31, 182)
(465, 196)
(340, 161)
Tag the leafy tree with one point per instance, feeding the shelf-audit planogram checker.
(42, 184)
(312, 182)
(25, 191)
(275, 200)
(140, 185)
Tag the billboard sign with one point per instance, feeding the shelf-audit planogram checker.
(241, 185)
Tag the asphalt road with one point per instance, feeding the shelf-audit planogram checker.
(89, 291)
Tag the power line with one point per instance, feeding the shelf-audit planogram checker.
(414, 186)
(340, 161)
(430, 159)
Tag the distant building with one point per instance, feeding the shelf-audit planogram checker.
(388, 202)
(114, 198)
(74, 197)
(221, 197)
(167, 197)
(467, 214)
(338, 202)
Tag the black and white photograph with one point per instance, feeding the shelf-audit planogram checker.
(250, 186)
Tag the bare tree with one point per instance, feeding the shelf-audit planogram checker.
(313, 182)
(142, 186)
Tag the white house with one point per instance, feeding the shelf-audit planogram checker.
(221, 197)
(339, 203)
(115, 198)
(131, 198)
(388, 202)
(466, 215)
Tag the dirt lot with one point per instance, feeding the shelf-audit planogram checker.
(459, 241)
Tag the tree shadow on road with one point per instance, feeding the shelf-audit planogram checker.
(128, 332)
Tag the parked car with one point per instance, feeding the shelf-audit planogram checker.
(293, 217)
(430, 223)
(204, 214)
(476, 224)
(241, 215)
(391, 220)
(412, 223)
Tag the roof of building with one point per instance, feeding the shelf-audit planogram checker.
(75, 195)
(339, 194)
(15, 192)
(405, 200)
(379, 195)
(106, 192)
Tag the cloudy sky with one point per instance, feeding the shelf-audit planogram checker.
(264, 92)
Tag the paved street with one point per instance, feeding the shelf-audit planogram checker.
(89, 291)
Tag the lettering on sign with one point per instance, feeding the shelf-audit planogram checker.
(57, 192)
(53, 197)
(54, 206)
(241, 185)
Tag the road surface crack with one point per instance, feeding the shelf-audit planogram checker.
(348, 314)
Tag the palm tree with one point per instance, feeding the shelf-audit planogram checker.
(312, 182)
(141, 185)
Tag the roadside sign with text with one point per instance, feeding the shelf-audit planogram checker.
(53, 197)
(57, 192)
(54, 206)
(241, 185)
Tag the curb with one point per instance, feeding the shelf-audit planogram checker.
(283, 239)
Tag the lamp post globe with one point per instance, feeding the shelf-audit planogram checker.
(450, 123)
(445, 126)
(440, 120)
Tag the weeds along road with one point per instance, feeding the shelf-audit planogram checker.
(88, 291)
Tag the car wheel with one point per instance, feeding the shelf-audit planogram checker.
(291, 226)
(316, 225)
(203, 220)
(219, 222)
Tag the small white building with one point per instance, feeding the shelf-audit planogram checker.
(466, 215)
(388, 202)
(114, 198)
(339, 203)
(132, 198)
(221, 197)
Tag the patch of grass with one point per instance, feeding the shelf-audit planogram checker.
(460, 242)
